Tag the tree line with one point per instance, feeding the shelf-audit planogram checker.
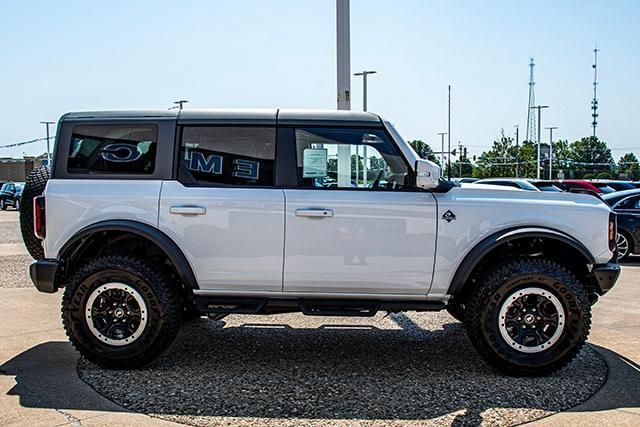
(585, 158)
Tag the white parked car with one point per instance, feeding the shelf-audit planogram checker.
(149, 217)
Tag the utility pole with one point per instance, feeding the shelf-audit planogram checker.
(449, 136)
(594, 101)
(343, 43)
(460, 146)
(442, 134)
(517, 152)
(551, 128)
(365, 171)
(539, 108)
(179, 104)
(48, 142)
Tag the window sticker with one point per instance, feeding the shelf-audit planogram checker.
(314, 163)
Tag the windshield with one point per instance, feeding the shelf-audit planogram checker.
(548, 187)
(5, 186)
(605, 188)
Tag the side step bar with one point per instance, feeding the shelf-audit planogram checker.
(310, 307)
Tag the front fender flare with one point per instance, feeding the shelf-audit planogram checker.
(473, 258)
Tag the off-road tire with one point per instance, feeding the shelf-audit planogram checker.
(34, 186)
(161, 299)
(483, 307)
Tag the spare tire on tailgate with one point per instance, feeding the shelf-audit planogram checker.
(35, 185)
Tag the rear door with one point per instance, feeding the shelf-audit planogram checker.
(223, 210)
(354, 225)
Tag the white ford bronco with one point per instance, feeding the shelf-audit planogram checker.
(151, 217)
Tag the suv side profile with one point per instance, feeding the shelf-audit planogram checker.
(150, 218)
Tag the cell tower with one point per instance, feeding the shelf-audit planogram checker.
(594, 101)
(531, 112)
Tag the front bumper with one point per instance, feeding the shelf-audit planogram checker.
(606, 276)
(43, 274)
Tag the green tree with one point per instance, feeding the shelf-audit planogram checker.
(562, 158)
(424, 150)
(467, 169)
(629, 166)
(590, 154)
(499, 161)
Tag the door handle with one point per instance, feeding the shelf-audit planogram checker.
(188, 210)
(315, 213)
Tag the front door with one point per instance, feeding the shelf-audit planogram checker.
(223, 211)
(354, 225)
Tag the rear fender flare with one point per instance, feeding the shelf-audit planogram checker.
(164, 242)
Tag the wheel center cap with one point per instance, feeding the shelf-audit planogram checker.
(529, 319)
(118, 312)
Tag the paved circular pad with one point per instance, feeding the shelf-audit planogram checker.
(276, 370)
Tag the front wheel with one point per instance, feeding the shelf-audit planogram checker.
(120, 312)
(3, 206)
(528, 317)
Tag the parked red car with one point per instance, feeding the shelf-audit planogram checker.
(579, 184)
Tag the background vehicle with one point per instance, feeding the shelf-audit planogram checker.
(519, 183)
(151, 217)
(465, 180)
(616, 185)
(546, 186)
(626, 205)
(10, 195)
(578, 184)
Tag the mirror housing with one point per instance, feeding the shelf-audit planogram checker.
(427, 174)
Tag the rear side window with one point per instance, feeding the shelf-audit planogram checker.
(227, 155)
(125, 149)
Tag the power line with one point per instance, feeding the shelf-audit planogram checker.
(31, 141)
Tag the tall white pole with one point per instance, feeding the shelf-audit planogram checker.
(344, 85)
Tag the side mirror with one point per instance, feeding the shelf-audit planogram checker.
(427, 174)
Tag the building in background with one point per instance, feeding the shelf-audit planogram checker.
(17, 170)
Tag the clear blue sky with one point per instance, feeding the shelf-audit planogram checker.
(76, 55)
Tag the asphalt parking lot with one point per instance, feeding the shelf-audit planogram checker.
(414, 369)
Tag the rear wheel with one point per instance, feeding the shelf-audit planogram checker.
(529, 317)
(120, 312)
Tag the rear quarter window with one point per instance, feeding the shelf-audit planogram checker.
(113, 149)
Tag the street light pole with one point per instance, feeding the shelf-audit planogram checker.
(442, 134)
(551, 151)
(539, 107)
(517, 152)
(365, 170)
(364, 75)
(48, 142)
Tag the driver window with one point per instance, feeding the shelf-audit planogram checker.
(353, 158)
